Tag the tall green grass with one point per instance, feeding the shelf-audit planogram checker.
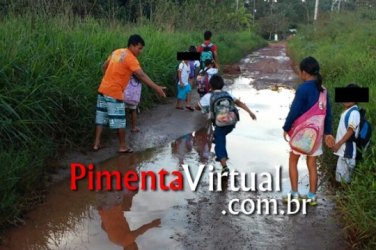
(50, 70)
(345, 46)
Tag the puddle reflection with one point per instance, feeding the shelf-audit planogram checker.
(115, 224)
(144, 218)
(112, 206)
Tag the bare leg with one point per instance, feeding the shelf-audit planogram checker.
(134, 121)
(188, 101)
(293, 171)
(223, 162)
(98, 133)
(178, 103)
(312, 170)
(189, 97)
(122, 144)
(192, 82)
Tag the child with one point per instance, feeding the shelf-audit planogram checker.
(210, 68)
(132, 109)
(345, 146)
(204, 76)
(207, 104)
(132, 97)
(208, 49)
(307, 96)
(184, 88)
(193, 65)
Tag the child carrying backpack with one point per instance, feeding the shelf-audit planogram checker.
(309, 96)
(222, 111)
(204, 76)
(132, 97)
(206, 54)
(194, 67)
(184, 87)
(208, 50)
(353, 137)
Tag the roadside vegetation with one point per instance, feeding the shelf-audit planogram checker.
(345, 46)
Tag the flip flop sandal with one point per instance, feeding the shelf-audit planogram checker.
(97, 148)
(129, 150)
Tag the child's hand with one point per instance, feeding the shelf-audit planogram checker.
(329, 141)
(253, 116)
(336, 147)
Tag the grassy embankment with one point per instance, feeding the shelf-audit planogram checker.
(345, 46)
(49, 73)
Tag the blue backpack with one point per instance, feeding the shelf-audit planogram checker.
(206, 54)
(365, 132)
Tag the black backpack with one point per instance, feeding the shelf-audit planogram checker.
(222, 109)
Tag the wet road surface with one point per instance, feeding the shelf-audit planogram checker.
(201, 219)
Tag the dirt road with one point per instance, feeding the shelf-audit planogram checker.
(187, 219)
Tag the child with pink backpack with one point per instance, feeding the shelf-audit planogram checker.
(308, 122)
(132, 97)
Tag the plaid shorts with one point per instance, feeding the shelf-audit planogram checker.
(110, 111)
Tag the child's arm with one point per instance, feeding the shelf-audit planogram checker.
(204, 103)
(329, 141)
(344, 139)
(243, 106)
(180, 81)
(197, 106)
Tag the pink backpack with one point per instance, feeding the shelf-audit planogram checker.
(307, 131)
(132, 93)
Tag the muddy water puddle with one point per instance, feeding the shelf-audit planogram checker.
(176, 219)
(186, 219)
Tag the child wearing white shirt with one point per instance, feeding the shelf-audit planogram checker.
(345, 146)
(184, 88)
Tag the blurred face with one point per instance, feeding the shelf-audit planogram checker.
(136, 49)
